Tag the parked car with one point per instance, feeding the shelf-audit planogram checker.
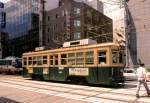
(130, 74)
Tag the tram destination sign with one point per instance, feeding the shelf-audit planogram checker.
(79, 71)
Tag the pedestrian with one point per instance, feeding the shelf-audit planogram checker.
(141, 79)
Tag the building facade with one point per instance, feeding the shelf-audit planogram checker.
(4, 45)
(138, 21)
(2, 16)
(76, 20)
(22, 24)
(96, 4)
(3, 36)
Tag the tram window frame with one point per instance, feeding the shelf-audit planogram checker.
(25, 61)
(51, 60)
(72, 59)
(80, 58)
(30, 61)
(103, 57)
(45, 59)
(63, 59)
(89, 59)
(55, 59)
(39, 60)
(34, 60)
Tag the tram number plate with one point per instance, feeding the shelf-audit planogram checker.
(79, 71)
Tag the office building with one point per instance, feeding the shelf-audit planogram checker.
(4, 45)
(73, 20)
(2, 16)
(96, 4)
(138, 21)
(22, 25)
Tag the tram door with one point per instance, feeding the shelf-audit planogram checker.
(103, 72)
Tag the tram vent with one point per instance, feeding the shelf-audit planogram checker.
(79, 42)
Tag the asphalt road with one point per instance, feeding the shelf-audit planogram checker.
(16, 89)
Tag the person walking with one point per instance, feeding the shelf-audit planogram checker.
(141, 79)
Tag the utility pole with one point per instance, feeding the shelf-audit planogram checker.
(41, 22)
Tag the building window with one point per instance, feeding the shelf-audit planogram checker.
(56, 16)
(77, 35)
(48, 18)
(48, 29)
(77, 11)
(63, 12)
(64, 24)
(77, 23)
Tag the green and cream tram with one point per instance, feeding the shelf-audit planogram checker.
(93, 63)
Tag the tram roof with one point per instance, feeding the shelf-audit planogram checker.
(72, 48)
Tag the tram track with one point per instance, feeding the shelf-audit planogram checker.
(56, 89)
(64, 85)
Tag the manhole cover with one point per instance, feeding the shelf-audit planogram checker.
(6, 100)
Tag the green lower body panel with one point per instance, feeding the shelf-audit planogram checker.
(105, 75)
(95, 75)
(58, 74)
(46, 77)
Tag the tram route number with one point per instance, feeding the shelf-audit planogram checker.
(79, 71)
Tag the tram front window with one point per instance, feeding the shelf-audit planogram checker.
(120, 57)
(115, 57)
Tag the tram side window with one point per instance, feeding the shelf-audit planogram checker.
(44, 59)
(29, 60)
(34, 60)
(115, 57)
(24, 61)
(56, 59)
(102, 57)
(39, 60)
(71, 58)
(80, 58)
(51, 60)
(63, 59)
(89, 57)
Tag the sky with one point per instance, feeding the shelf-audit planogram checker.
(4, 1)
